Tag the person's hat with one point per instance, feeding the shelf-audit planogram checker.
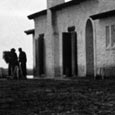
(13, 50)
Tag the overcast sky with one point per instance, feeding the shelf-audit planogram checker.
(13, 23)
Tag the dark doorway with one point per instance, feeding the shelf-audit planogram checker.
(89, 49)
(36, 58)
(67, 58)
(41, 54)
(69, 53)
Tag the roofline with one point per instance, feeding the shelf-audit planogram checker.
(31, 31)
(43, 12)
(103, 15)
(57, 7)
(67, 4)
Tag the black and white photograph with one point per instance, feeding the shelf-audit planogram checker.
(57, 57)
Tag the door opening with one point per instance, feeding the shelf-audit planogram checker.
(70, 54)
(41, 54)
(89, 49)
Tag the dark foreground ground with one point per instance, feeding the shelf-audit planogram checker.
(54, 97)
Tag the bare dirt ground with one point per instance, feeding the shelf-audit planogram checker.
(55, 97)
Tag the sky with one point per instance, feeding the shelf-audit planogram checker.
(13, 23)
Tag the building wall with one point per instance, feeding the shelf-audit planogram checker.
(105, 5)
(40, 25)
(49, 46)
(51, 3)
(40, 28)
(77, 16)
(105, 55)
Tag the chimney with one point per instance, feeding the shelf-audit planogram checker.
(51, 3)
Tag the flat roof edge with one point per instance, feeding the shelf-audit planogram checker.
(57, 7)
(32, 16)
(103, 14)
(31, 31)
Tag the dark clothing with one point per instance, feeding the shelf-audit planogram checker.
(9, 69)
(22, 61)
(13, 62)
(22, 57)
(13, 59)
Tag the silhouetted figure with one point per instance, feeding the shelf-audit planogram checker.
(11, 59)
(22, 62)
(13, 64)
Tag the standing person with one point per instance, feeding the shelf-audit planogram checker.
(13, 63)
(22, 62)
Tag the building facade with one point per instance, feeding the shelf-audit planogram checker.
(75, 38)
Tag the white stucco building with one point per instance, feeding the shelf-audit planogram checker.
(74, 38)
